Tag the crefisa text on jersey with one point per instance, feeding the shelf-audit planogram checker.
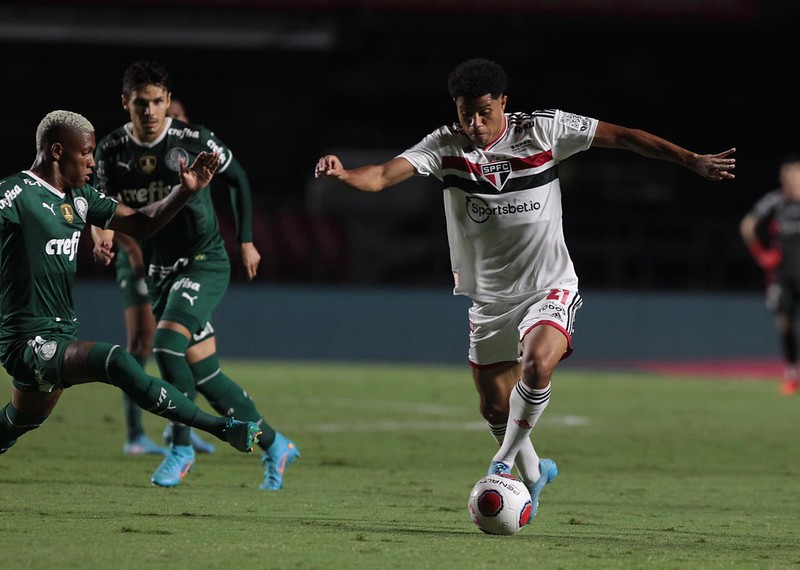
(9, 196)
(64, 246)
(184, 133)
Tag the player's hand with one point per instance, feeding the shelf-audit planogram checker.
(250, 259)
(103, 252)
(329, 166)
(199, 174)
(767, 258)
(715, 166)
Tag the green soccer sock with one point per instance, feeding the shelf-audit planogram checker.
(133, 413)
(14, 423)
(169, 350)
(228, 398)
(111, 364)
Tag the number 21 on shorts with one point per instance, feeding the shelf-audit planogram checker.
(560, 295)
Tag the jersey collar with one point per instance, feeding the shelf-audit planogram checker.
(46, 185)
(129, 131)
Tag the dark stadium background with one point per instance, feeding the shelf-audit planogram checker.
(284, 81)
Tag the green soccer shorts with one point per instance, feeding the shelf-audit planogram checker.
(35, 364)
(189, 295)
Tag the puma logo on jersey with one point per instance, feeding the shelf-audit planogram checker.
(49, 207)
(125, 165)
(191, 298)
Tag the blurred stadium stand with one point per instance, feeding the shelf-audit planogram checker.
(284, 81)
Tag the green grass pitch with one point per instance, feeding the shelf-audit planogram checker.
(656, 472)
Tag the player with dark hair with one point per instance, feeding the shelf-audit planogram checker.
(140, 326)
(771, 232)
(499, 173)
(188, 269)
(42, 213)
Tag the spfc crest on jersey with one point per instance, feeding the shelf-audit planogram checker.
(174, 156)
(147, 163)
(496, 173)
(66, 211)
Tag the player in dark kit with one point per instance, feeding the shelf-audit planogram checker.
(771, 231)
(188, 269)
(42, 213)
(140, 326)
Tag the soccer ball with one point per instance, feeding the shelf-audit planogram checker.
(500, 504)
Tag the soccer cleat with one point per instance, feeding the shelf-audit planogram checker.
(177, 463)
(281, 453)
(143, 445)
(198, 443)
(790, 387)
(242, 435)
(547, 472)
(499, 468)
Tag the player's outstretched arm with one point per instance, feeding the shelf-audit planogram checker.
(710, 166)
(147, 220)
(370, 178)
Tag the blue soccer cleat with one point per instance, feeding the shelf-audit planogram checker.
(547, 472)
(143, 445)
(281, 453)
(176, 465)
(499, 468)
(242, 435)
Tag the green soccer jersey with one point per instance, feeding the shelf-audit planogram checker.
(39, 232)
(139, 173)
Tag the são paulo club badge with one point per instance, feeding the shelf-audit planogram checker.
(496, 173)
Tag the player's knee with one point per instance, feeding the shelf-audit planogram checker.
(122, 368)
(111, 364)
(537, 369)
(169, 345)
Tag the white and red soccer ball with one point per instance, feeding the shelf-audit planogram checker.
(500, 504)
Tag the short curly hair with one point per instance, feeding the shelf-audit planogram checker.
(141, 73)
(55, 122)
(477, 77)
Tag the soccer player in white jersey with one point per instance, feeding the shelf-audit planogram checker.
(499, 172)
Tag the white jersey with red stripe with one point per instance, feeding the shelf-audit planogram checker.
(503, 203)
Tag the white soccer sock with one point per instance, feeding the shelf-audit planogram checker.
(498, 432)
(525, 408)
(527, 460)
